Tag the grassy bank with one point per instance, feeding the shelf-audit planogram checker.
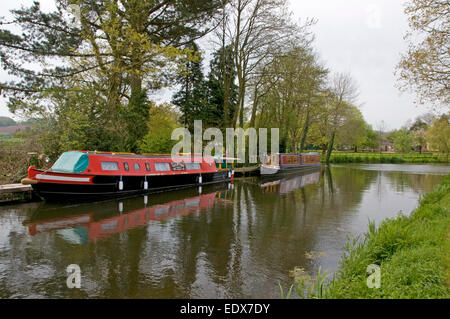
(395, 158)
(413, 254)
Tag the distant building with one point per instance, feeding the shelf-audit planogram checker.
(387, 146)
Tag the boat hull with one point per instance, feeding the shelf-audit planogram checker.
(266, 170)
(104, 187)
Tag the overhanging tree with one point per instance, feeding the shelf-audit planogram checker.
(118, 47)
(426, 65)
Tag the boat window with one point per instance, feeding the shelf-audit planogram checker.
(110, 166)
(109, 226)
(178, 166)
(162, 167)
(137, 167)
(72, 162)
(147, 167)
(125, 165)
(193, 166)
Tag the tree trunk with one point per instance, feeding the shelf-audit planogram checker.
(226, 80)
(330, 147)
(254, 106)
(305, 131)
(324, 150)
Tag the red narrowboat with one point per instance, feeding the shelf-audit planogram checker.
(86, 175)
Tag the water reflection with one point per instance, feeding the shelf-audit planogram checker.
(226, 241)
(289, 184)
(75, 226)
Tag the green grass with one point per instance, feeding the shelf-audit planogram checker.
(394, 158)
(413, 254)
(7, 140)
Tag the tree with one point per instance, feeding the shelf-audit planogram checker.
(343, 91)
(222, 90)
(353, 131)
(403, 141)
(371, 139)
(163, 119)
(289, 87)
(418, 129)
(438, 135)
(426, 65)
(258, 28)
(121, 49)
(192, 96)
(381, 129)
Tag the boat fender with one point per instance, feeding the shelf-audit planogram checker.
(200, 179)
(28, 181)
(146, 184)
(120, 184)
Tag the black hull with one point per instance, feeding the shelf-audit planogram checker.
(107, 187)
(286, 171)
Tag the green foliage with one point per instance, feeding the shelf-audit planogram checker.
(403, 141)
(291, 90)
(221, 86)
(425, 67)
(200, 99)
(307, 286)
(136, 117)
(288, 293)
(163, 120)
(412, 253)
(371, 138)
(354, 131)
(439, 135)
(96, 98)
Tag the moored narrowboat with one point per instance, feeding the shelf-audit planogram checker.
(289, 163)
(86, 175)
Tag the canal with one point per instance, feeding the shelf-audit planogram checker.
(225, 241)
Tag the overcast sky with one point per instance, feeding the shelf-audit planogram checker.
(360, 37)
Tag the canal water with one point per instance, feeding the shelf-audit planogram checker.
(223, 241)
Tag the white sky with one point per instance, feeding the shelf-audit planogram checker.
(360, 37)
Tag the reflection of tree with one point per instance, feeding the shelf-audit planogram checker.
(417, 182)
(283, 229)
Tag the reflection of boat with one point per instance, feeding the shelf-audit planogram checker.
(289, 163)
(289, 184)
(81, 224)
(83, 175)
